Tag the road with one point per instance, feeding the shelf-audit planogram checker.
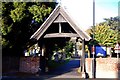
(69, 70)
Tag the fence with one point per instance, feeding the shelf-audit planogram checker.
(10, 64)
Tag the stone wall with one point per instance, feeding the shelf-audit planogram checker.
(105, 67)
(29, 64)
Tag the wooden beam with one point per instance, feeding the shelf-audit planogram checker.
(60, 21)
(53, 35)
(60, 28)
(59, 18)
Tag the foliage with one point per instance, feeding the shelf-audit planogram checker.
(18, 13)
(39, 12)
(19, 22)
(113, 22)
(68, 49)
(104, 35)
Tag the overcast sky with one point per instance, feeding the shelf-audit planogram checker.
(82, 10)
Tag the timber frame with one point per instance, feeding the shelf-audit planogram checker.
(60, 17)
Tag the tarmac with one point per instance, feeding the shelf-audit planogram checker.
(67, 71)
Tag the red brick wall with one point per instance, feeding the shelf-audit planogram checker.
(29, 64)
(105, 67)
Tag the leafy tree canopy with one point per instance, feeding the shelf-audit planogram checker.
(103, 35)
(106, 33)
(19, 21)
(113, 22)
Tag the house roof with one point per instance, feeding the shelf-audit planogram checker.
(59, 14)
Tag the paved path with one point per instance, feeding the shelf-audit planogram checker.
(68, 70)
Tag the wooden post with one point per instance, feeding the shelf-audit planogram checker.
(83, 59)
(42, 60)
(60, 27)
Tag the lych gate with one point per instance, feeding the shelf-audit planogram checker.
(58, 28)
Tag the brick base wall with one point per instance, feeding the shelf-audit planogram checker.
(29, 64)
(105, 67)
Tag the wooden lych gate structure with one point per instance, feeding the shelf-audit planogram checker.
(58, 28)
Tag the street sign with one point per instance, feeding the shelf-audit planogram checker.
(117, 48)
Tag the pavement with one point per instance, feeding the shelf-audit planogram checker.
(69, 70)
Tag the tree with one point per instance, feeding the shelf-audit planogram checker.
(113, 22)
(68, 49)
(19, 21)
(104, 35)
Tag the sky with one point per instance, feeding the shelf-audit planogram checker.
(82, 10)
